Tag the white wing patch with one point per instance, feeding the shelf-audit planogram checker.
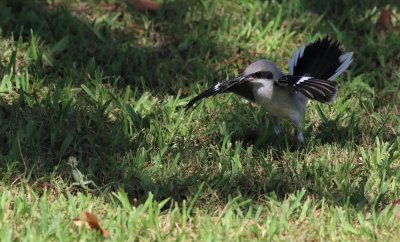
(304, 78)
(296, 56)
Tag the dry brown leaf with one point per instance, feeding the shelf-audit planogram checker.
(384, 22)
(317, 213)
(90, 221)
(144, 5)
(396, 202)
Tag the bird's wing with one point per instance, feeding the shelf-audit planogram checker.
(322, 59)
(222, 87)
(313, 88)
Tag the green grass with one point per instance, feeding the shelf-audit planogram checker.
(102, 83)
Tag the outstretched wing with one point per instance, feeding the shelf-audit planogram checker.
(237, 85)
(322, 59)
(317, 89)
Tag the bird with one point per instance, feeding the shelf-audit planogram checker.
(313, 69)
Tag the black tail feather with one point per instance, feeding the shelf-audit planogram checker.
(322, 59)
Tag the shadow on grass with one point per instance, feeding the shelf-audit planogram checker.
(325, 132)
(76, 45)
(157, 51)
(167, 54)
(52, 128)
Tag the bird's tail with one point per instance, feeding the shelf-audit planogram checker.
(322, 59)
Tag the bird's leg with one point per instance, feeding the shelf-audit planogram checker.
(299, 131)
(277, 129)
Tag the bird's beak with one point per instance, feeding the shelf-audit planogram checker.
(238, 79)
(243, 78)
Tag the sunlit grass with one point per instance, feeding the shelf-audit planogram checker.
(107, 86)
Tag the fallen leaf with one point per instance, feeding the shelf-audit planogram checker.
(396, 202)
(384, 22)
(144, 5)
(317, 213)
(90, 221)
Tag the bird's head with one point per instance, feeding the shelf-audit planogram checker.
(262, 69)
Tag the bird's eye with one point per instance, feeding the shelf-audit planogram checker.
(258, 74)
(268, 75)
(263, 74)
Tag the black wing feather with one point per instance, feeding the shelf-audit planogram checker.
(320, 90)
(237, 85)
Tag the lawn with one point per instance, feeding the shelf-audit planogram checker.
(92, 120)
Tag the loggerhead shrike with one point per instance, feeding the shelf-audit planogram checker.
(312, 71)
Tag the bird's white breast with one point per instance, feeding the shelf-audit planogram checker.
(263, 90)
(279, 101)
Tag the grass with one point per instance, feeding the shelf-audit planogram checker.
(101, 83)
